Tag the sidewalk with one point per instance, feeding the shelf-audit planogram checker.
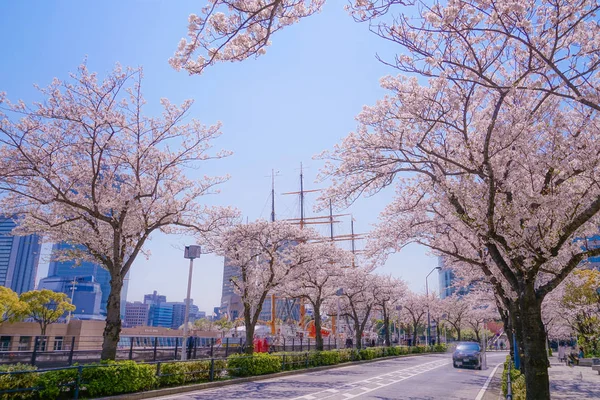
(581, 383)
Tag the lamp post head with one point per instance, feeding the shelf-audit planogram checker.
(191, 252)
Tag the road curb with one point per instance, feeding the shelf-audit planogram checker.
(210, 385)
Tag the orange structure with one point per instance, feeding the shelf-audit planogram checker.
(312, 331)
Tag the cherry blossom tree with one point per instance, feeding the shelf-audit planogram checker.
(317, 279)
(455, 312)
(389, 293)
(482, 308)
(357, 299)
(233, 30)
(492, 139)
(414, 312)
(87, 167)
(491, 136)
(266, 254)
(558, 319)
(436, 312)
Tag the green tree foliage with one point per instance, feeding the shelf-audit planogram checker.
(11, 307)
(582, 299)
(46, 306)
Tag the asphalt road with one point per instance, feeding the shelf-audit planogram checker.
(425, 377)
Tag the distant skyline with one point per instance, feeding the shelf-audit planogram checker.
(277, 111)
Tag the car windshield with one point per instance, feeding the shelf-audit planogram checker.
(468, 346)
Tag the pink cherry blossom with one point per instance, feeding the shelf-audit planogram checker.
(87, 167)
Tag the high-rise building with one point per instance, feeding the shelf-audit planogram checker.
(19, 258)
(160, 314)
(179, 313)
(447, 281)
(72, 269)
(136, 314)
(231, 303)
(154, 298)
(85, 293)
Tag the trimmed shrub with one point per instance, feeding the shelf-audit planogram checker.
(57, 384)
(318, 358)
(113, 378)
(367, 354)
(257, 364)
(172, 374)
(440, 348)
(347, 355)
(18, 381)
(293, 360)
(181, 373)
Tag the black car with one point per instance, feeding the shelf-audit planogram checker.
(467, 354)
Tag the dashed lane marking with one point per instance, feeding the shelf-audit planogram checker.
(358, 388)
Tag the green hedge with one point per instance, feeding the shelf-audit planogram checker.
(181, 373)
(112, 378)
(292, 360)
(17, 381)
(328, 357)
(57, 384)
(257, 364)
(517, 382)
(118, 377)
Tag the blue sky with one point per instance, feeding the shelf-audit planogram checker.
(277, 111)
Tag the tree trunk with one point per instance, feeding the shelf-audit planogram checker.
(386, 324)
(438, 332)
(535, 359)
(458, 333)
(318, 335)
(358, 335)
(511, 341)
(112, 329)
(414, 343)
(477, 335)
(517, 330)
(249, 332)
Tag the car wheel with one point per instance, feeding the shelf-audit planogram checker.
(454, 364)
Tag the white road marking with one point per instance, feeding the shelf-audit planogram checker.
(390, 377)
(487, 383)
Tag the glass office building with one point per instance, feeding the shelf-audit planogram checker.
(19, 258)
(72, 270)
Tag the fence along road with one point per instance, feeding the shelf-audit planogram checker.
(427, 376)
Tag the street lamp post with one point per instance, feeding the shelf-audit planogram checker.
(190, 253)
(73, 283)
(428, 336)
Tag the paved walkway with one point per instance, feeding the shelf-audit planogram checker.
(581, 383)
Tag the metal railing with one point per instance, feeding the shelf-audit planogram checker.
(63, 351)
(509, 394)
(71, 381)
